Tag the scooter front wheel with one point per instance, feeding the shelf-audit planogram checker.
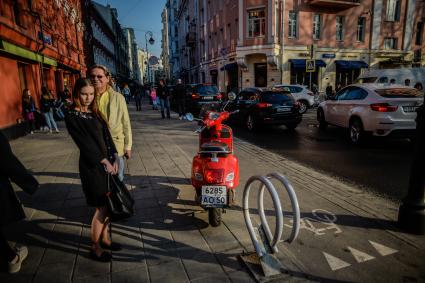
(214, 216)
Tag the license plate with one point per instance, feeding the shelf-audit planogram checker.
(410, 108)
(207, 97)
(283, 109)
(214, 196)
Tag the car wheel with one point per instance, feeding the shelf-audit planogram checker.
(303, 106)
(250, 123)
(291, 127)
(321, 119)
(357, 133)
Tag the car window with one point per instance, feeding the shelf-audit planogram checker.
(206, 89)
(296, 89)
(276, 97)
(383, 80)
(355, 93)
(342, 94)
(399, 92)
(247, 96)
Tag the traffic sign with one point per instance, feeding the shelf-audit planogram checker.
(310, 66)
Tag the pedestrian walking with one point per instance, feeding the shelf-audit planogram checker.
(11, 210)
(127, 93)
(164, 98)
(98, 158)
(138, 99)
(329, 91)
(407, 82)
(28, 110)
(47, 105)
(179, 93)
(113, 107)
(154, 99)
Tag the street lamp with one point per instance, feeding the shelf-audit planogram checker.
(151, 42)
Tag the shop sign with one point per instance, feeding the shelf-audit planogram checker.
(328, 55)
(47, 38)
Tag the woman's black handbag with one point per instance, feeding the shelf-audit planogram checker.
(119, 200)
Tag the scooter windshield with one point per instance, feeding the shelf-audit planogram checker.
(208, 108)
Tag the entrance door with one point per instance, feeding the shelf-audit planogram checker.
(260, 73)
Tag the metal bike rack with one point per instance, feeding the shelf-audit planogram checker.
(266, 247)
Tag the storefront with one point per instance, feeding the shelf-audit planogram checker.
(348, 71)
(299, 74)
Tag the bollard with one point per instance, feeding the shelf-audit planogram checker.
(411, 216)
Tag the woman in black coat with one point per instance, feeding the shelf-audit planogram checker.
(11, 169)
(90, 132)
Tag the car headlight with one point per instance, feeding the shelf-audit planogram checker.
(230, 177)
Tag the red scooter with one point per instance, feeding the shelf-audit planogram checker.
(215, 170)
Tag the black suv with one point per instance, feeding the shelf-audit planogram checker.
(265, 107)
(199, 94)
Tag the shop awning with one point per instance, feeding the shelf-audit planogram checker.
(348, 65)
(25, 53)
(300, 63)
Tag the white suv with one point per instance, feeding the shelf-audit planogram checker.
(301, 94)
(378, 109)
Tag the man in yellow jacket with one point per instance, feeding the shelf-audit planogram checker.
(114, 108)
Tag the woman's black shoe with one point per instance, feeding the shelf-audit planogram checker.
(113, 247)
(104, 257)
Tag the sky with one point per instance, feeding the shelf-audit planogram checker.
(142, 16)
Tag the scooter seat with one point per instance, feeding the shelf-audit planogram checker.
(219, 147)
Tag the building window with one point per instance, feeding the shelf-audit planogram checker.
(361, 23)
(256, 23)
(17, 13)
(292, 32)
(390, 43)
(340, 28)
(393, 10)
(419, 33)
(316, 26)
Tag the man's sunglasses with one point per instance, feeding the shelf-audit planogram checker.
(99, 76)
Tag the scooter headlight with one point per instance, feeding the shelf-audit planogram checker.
(230, 177)
(198, 176)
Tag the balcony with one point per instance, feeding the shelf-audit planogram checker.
(191, 38)
(335, 4)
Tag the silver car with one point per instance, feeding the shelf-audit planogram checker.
(379, 109)
(302, 94)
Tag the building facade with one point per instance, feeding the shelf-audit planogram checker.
(132, 55)
(100, 36)
(142, 57)
(121, 49)
(173, 41)
(246, 43)
(41, 44)
(165, 54)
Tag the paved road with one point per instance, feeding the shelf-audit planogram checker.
(381, 165)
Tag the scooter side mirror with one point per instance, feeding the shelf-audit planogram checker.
(189, 116)
(231, 95)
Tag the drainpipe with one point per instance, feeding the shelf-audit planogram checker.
(372, 14)
(40, 50)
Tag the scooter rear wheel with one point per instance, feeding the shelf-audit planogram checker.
(214, 216)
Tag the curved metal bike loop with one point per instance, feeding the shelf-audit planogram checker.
(266, 183)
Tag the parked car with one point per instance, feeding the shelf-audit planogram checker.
(397, 75)
(379, 109)
(199, 94)
(301, 94)
(265, 107)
